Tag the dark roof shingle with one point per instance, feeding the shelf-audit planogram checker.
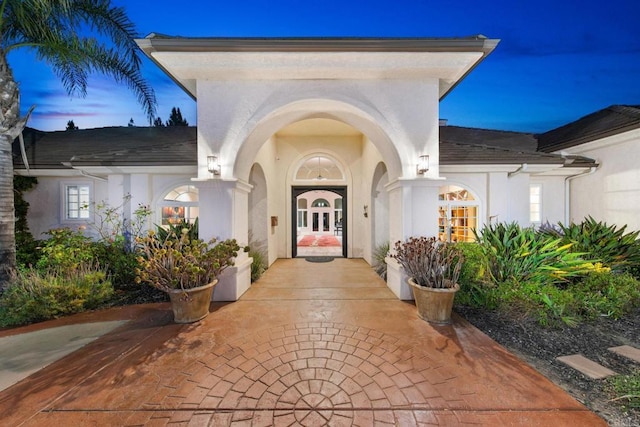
(125, 146)
(606, 122)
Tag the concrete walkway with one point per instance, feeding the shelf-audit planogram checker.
(309, 344)
(22, 355)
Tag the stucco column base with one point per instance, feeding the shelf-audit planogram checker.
(397, 280)
(235, 280)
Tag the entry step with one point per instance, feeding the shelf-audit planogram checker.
(627, 351)
(586, 366)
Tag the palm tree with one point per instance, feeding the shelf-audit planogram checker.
(77, 38)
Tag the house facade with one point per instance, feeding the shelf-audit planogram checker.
(336, 136)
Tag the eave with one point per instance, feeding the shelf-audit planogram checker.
(186, 60)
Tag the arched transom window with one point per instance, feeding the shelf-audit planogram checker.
(319, 168)
(320, 203)
(180, 204)
(458, 214)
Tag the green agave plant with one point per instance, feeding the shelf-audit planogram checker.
(520, 254)
(608, 244)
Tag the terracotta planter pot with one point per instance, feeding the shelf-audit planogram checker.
(192, 304)
(434, 304)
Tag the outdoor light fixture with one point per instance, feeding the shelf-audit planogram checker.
(319, 177)
(212, 165)
(423, 164)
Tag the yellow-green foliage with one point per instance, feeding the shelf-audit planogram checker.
(542, 275)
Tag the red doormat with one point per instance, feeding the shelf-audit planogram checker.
(322, 241)
(325, 241)
(307, 241)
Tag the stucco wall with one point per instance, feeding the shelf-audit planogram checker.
(553, 200)
(46, 204)
(612, 193)
(500, 198)
(46, 200)
(235, 118)
(375, 226)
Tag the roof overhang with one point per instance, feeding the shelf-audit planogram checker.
(104, 171)
(187, 60)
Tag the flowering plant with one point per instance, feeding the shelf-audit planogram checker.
(178, 262)
(429, 262)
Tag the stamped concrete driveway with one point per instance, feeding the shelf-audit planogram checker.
(309, 344)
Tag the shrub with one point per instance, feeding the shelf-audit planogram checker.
(606, 294)
(520, 255)
(65, 251)
(259, 263)
(114, 229)
(26, 246)
(178, 228)
(475, 290)
(380, 253)
(37, 296)
(608, 244)
(474, 265)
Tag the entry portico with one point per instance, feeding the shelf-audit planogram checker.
(266, 105)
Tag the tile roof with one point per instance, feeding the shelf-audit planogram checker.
(177, 146)
(123, 146)
(606, 122)
(472, 146)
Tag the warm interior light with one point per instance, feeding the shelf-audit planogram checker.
(423, 165)
(212, 165)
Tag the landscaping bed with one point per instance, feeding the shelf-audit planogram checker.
(539, 346)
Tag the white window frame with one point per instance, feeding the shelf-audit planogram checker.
(445, 222)
(84, 207)
(163, 203)
(532, 204)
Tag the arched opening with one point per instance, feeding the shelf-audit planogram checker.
(379, 207)
(318, 143)
(319, 168)
(179, 205)
(458, 214)
(259, 222)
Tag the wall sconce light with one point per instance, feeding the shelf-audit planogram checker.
(423, 164)
(212, 165)
(366, 211)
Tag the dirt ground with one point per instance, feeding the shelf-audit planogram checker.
(540, 346)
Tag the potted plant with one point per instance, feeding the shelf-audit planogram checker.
(187, 269)
(433, 268)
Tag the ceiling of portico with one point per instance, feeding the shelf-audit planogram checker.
(318, 127)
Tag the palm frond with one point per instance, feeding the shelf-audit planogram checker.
(78, 37)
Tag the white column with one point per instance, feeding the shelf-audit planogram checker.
(413, 211)
(224, 214)
(140, 195)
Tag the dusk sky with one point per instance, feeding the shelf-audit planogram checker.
(557, 60)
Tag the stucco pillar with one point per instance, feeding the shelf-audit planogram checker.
(224, 214)
(140, 196)
(413, 211)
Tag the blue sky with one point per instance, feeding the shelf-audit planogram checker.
(557, 60)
